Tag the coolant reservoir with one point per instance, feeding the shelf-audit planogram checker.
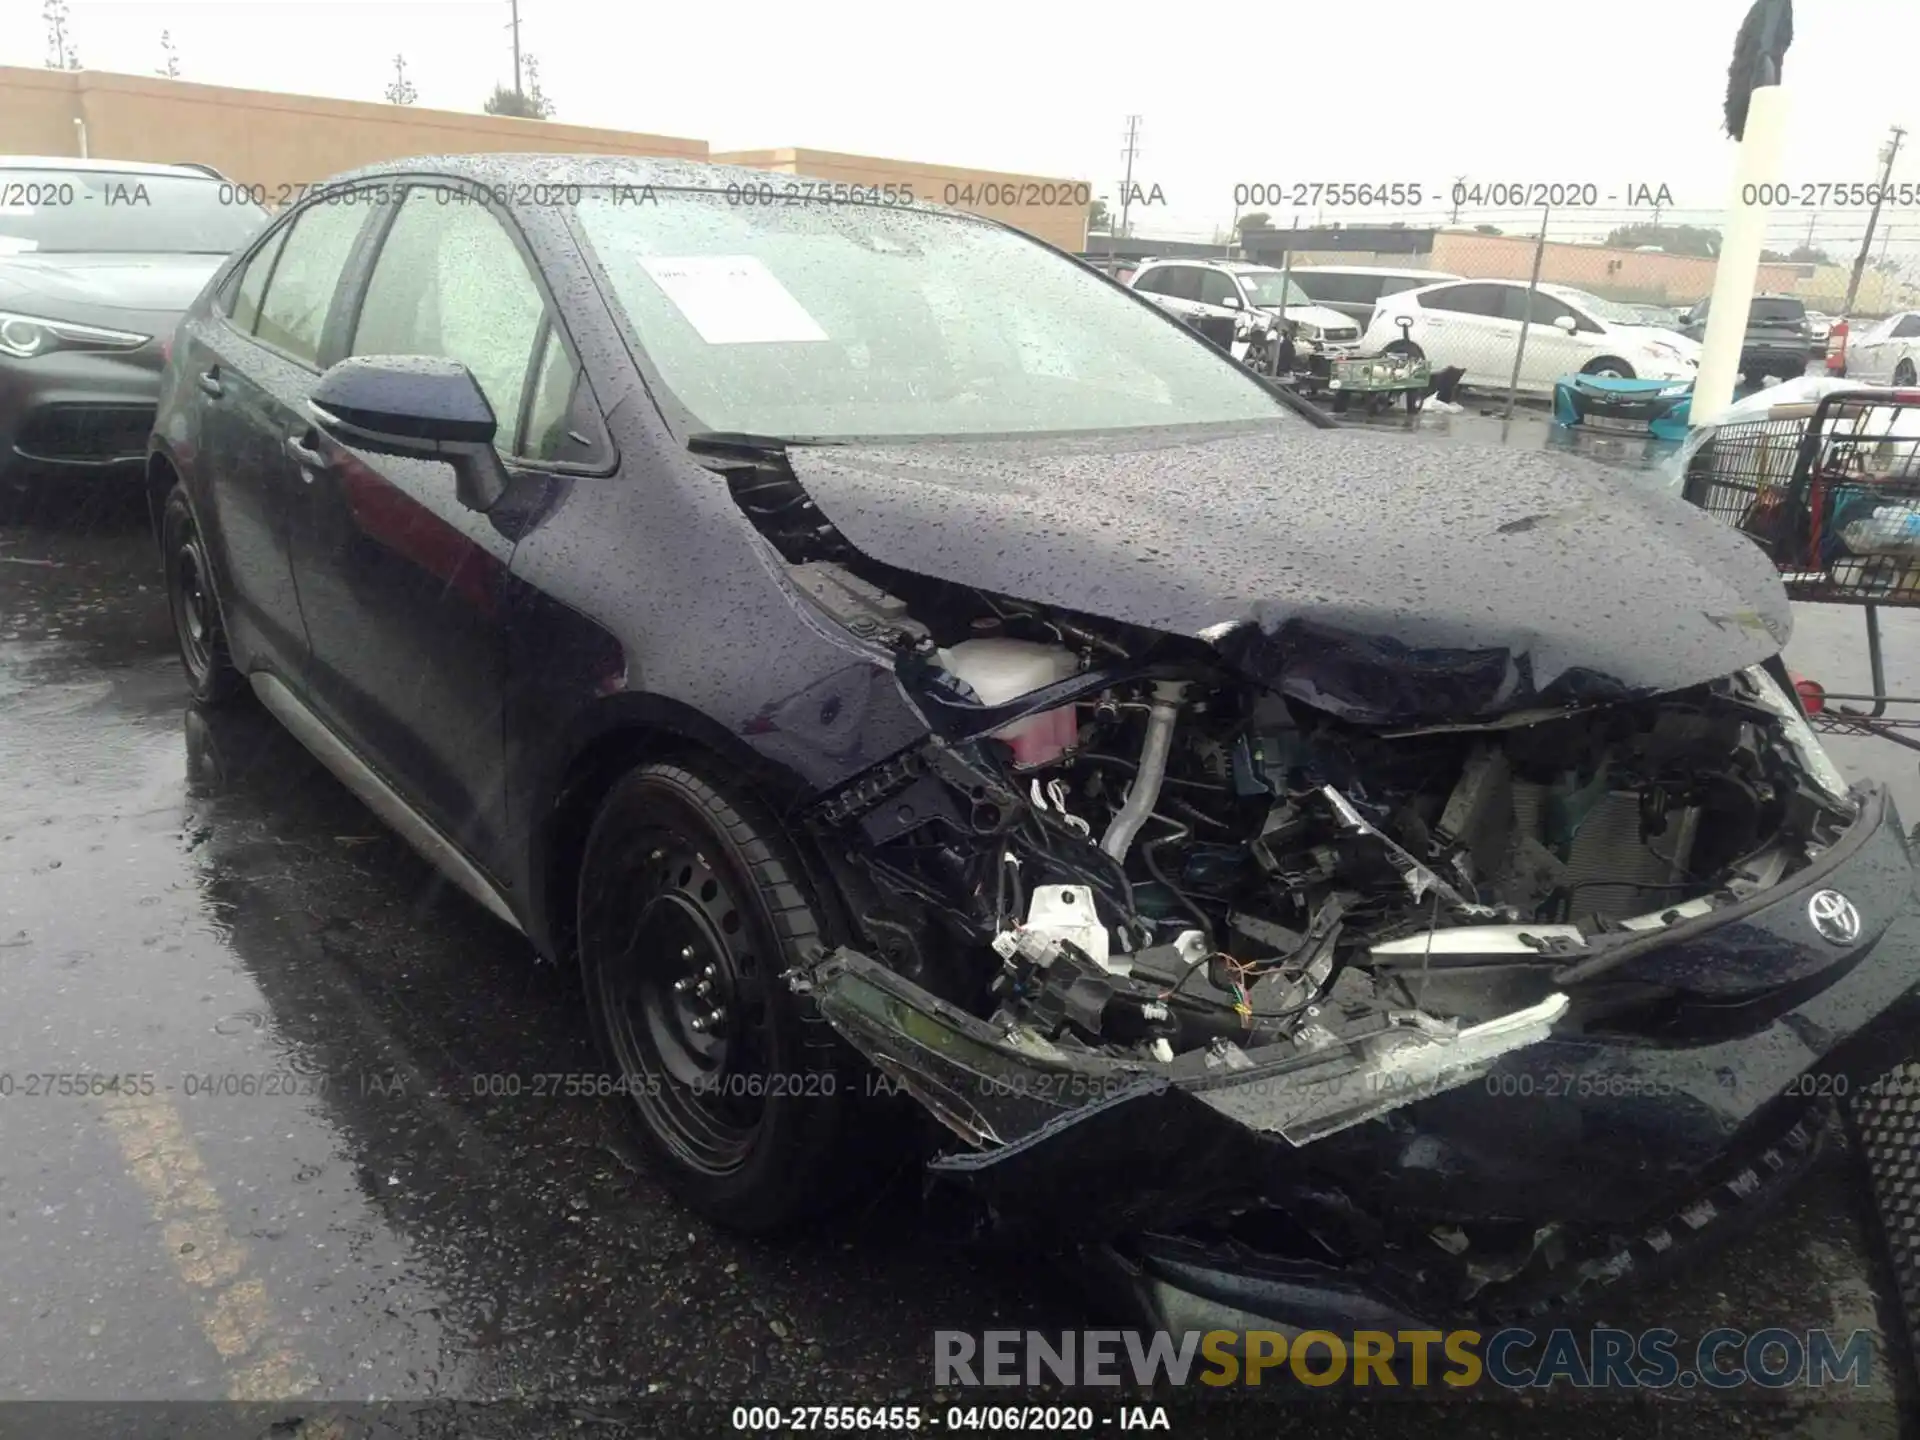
(1002, 670)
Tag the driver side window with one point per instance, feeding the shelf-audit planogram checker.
(449, 282)
(1218, 289)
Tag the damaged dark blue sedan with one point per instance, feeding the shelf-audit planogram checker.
(1303, 875)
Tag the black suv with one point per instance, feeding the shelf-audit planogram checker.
(1779, 338)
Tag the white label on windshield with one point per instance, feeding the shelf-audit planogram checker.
(732, 299)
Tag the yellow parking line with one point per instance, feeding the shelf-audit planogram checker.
(234, 1311)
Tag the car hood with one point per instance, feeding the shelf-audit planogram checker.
(1657, 334)
(1319, 315)
(55, 281)
(1384, 580)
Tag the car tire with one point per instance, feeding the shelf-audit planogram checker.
(1609, 365)
(194, 604)
(1903, 374)
(693, 903)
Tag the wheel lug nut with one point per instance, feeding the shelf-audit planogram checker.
(706, 972)
(683, 984)
(686, 952)
(699, 1023)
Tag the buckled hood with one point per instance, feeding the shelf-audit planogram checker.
(1386, 582)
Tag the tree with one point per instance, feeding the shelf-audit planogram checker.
(1252, 220)
(1674, 239)
(528, 103)
(169, 57)
(61, 54)
(1488, 230)
(1098, 218)
(400, 90)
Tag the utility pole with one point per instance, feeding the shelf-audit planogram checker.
(514, 25)
(1866, 243)
(1126, 185)
(1458, 180)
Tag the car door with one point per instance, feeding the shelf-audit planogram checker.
(1220, 309)
(403, 586)
(1180, 290)
(1869, 357)
(1551, 352)
(1465, 326)
(235, 448)
(1900, 356)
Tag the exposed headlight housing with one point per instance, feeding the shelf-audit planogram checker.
(1308, 332)
(1799, 734)
(24, 336)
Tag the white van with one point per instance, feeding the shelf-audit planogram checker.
(1354, 290)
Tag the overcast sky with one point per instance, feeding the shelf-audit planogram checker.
(1619, 92)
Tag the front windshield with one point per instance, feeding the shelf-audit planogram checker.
(1273, 288)
(109, 212)
(1611, 311)
(851, 319)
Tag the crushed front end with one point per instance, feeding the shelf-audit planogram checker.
(1276, 1013)
(1327, 971)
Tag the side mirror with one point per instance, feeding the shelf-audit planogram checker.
(416, 406)
(1564, 324)
(1232, 302)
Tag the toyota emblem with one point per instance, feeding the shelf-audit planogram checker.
(1834, 916)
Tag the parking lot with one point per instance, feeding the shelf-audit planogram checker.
(318, 1182)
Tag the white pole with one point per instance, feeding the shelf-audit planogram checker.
(1740, 246)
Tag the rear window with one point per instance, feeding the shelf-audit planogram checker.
(1770, 309)
(133, 213)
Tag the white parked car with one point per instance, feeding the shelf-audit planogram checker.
(1887, 353)
(1819, 326)
(1253, 295)
(1475, 325)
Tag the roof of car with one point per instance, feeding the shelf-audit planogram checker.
(105, 167)
(616, 170)
(1438, 276)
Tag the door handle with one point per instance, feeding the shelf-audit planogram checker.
(209, 381)
(307, 457)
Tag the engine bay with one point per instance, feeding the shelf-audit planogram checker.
(1121, 848)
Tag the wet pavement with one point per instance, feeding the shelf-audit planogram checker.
(323, 1172)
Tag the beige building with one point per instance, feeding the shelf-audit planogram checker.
(274, 140)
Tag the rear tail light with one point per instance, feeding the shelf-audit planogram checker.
(1813, 695)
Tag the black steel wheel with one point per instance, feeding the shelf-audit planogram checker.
(692, 906)
(195, 606)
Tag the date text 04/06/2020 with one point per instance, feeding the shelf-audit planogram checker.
(910, 1419)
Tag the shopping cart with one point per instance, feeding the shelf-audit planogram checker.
(1830, 490)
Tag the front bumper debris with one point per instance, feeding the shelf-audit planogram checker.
(1589, 1133)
